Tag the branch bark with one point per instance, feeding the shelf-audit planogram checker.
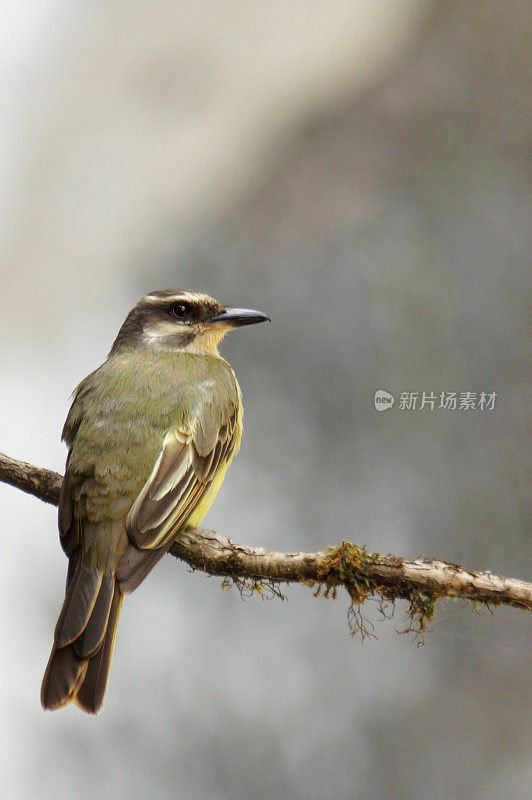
(363, 574)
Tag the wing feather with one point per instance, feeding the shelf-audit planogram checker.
(174, 462)
(178, 481)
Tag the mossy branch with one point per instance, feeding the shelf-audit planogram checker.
(421, 582)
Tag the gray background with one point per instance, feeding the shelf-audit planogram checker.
(358, 171)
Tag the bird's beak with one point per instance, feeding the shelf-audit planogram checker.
(236, 317)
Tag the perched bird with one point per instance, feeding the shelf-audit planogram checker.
(150, 434)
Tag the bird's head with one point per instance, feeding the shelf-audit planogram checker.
(181, 320)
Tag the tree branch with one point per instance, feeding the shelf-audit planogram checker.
(43, 483)
(363, 574)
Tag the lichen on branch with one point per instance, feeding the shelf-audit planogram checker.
(421, 582)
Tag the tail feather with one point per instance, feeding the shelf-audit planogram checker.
(82, 593)
(91, 693)
(88, 642)
(78, 668)
(135, 564)
(64, 673)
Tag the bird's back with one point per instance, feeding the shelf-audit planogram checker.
(121, 414)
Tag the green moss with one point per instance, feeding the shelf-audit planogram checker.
(348, 564)
(354, 567)
(248, 587)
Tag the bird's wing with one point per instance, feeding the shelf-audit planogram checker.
(178, 481)
(68, 524)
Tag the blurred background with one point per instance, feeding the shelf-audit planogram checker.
(358, 171)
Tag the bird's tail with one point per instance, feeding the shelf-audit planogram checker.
(79, 664)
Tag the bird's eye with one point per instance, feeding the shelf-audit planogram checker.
(180, 310)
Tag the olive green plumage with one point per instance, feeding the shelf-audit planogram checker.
(151, 434)
(122, 412)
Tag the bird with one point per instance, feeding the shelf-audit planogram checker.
(150, 435)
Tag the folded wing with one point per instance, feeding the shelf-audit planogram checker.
(179, 480)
